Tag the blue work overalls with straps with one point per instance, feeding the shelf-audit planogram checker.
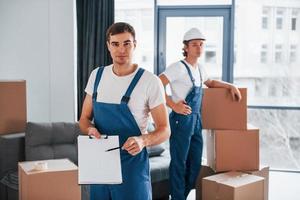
(116, 119)
(186, 143)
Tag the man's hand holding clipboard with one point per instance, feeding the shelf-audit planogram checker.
(96, 165)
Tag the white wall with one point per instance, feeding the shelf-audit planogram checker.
(37, 44)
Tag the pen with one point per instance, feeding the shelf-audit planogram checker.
(113, 149)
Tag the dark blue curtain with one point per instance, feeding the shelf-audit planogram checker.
(93, 19)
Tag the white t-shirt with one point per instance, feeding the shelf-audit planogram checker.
(180, 82)
(147, 94)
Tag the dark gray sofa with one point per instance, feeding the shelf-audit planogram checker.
(58, 140)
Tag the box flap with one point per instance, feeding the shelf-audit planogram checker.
(52, 166)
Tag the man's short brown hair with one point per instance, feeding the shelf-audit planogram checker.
(119, 27)
(185, 43)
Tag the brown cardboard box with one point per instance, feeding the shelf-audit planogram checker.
(220, 111)
(233, 150)
(233, 186)
(262, 172)
(59, 181)
(12, 106)
(204, 172)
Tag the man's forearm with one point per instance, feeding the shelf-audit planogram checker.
(170, 103)
(158, 136)
(219, 84)
(84, 125)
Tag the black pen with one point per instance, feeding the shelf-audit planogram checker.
(113, 149)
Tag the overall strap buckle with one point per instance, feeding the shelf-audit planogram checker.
(125, 99)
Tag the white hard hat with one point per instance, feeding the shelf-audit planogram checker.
(193, 34)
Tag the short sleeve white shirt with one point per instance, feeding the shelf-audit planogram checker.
(180, 82)
(147, 94)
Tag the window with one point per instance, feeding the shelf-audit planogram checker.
(279, 22)
(279, 18)
(293, 24)
(263, 57)
(265, 23)
(276, 45)
(279, 11)
(263, 54)
(210, 54)
(278, 54)
(265, 17)
(258, 87)
(286, 88)
(293, 54)
(279, 136)
(272, 88)
(294, 19)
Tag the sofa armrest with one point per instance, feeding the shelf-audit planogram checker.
(11, 152)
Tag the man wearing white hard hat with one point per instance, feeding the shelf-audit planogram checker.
(186, 78)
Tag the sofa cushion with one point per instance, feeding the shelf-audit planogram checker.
(51, 141)
(155, 150)
(159, 167)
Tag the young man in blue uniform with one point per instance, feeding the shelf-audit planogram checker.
(119, 99)
(186, 78)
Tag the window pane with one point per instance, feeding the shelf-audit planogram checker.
(267, 59)
(139, 14)
(278, 57)
(279, 137)
(210, 57)
(293, 57)
(263, 57)
(264, 22)
(279, 23)
(293, 24)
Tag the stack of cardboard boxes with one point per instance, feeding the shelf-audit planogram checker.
(60, 179)
(232, 150)
(12, 106)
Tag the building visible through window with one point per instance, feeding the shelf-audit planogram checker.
(279, 18)
(272, 88)
(279, 22)
(278, 54)
(210, 56)
(265, 17)
(294, 20)
(263, 54)
(293, 53)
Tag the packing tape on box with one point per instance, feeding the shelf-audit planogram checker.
(40, 166)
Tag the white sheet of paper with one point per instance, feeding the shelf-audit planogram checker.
(95, 165)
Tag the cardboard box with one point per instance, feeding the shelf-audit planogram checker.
(12, 106)
(220, 111)
(233, 186)
(262, 172)
(59, 181)
(233, 150)
(204, 172)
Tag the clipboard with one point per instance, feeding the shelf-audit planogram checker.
(96, 165)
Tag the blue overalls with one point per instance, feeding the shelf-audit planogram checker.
(116, 119)
(186, 144)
